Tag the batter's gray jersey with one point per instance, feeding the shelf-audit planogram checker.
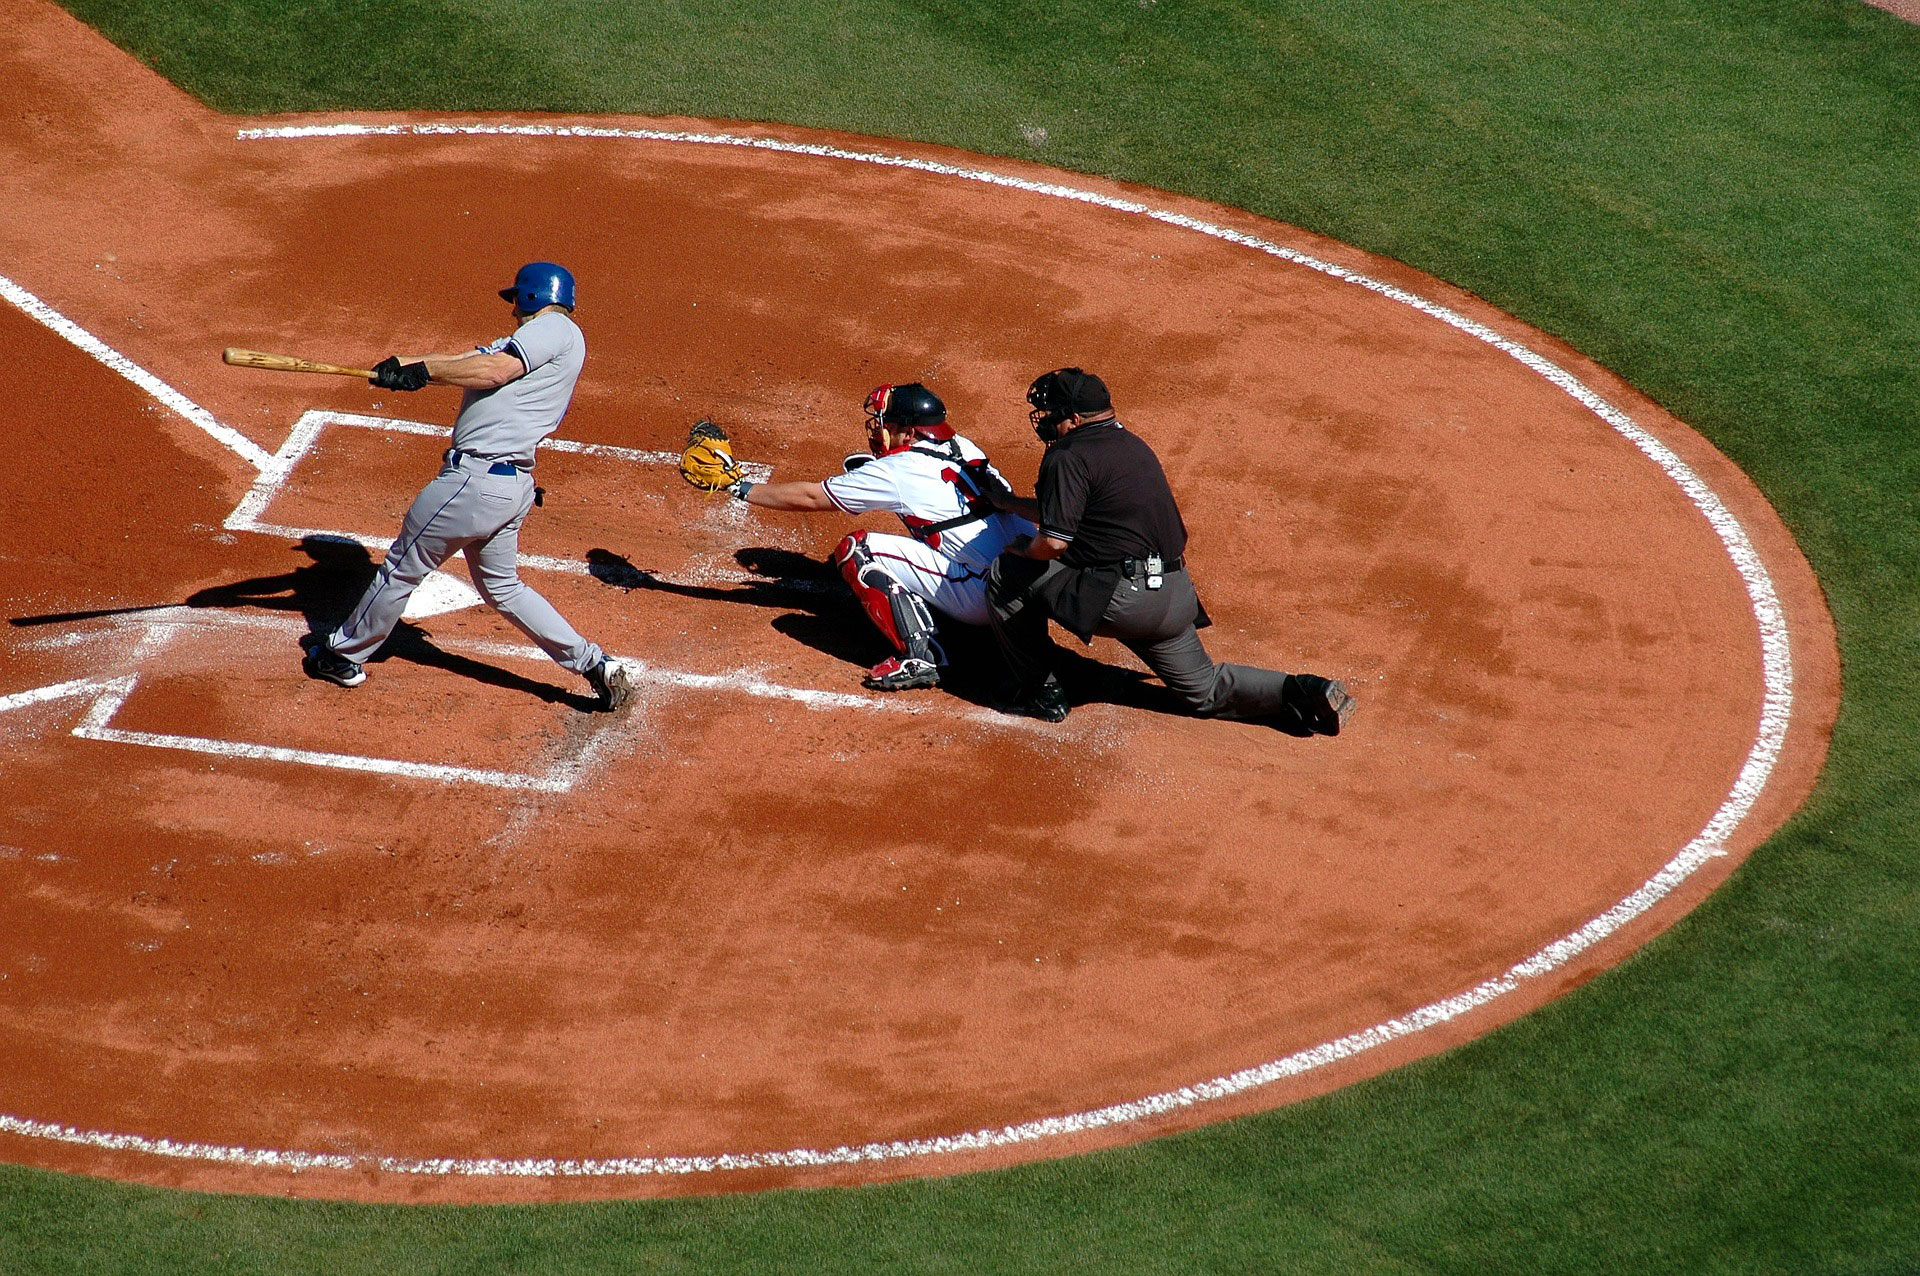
(507, 423)
(481, 498)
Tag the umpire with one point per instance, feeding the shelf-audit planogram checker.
(1106, 559)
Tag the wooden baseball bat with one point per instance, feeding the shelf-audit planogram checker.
(287, 363)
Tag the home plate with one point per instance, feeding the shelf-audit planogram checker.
(440, 593)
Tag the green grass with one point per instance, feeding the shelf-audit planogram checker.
(1721, 202)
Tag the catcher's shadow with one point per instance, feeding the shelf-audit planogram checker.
(818, 611)
(821, 613)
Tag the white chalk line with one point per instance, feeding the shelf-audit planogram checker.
(1708, 844)
(114, 692)
(161, 626)
(231, 439)
(249, 514)
(741, 681)
(160, 629)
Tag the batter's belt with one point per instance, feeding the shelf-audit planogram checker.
(454, 456)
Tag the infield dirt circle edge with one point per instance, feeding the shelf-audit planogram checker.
(56, 273)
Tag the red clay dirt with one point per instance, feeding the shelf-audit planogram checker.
(913, 918)
(1907, 9)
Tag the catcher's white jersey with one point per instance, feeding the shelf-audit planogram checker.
(924, 484)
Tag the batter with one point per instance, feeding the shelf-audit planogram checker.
(516, 390)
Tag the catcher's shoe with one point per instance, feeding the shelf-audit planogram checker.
(324, 663)
(610, 682)
(901, 673)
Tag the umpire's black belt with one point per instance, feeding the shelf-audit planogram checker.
(1135, 568)
(455, 456)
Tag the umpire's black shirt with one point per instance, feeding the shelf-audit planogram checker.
(1101, 490)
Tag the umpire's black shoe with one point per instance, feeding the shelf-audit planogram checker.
(326, 664)
(1324, 703)
(611, 684)
(1046, 702)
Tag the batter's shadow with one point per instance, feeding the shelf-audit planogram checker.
(414, 645)
(325, 591)
(321, 590)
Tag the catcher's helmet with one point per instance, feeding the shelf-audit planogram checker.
(906, 406)
(540, 284)
(909, 408)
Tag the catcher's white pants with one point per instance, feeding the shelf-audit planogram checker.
(949, 587)
(466, 509)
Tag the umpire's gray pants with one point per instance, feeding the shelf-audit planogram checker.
(1157, 626)
(465, 509)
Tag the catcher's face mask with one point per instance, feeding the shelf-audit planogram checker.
(877, 428)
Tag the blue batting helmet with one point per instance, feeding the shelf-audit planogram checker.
(540, 283)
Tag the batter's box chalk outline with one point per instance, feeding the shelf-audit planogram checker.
(249, 514)
(276, 468)
(110, 695)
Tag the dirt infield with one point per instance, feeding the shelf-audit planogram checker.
(1908, 9)
(447, 937)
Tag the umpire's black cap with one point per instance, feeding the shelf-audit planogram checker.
(1070, 390)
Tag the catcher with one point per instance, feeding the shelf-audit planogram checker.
(936, 481)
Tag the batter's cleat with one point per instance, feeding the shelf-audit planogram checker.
(901, 673)
(328, 665)
(611, 684)
(1046, 702)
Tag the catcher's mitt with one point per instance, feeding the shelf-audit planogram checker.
(708, 462)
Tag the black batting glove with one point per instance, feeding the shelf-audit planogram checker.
(391, 374)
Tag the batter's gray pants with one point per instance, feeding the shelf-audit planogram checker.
(1157, 626)
(465, 509)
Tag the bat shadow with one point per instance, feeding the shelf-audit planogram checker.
(320, 590)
